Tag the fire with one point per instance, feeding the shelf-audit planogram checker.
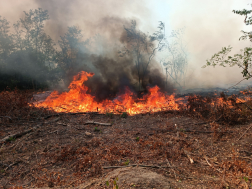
(78, 100)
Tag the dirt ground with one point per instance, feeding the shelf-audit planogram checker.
(159, 150)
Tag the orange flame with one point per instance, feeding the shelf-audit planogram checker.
(77, 100)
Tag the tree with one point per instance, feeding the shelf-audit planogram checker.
(6, 41)
(143, 48)
(242, 60)
(72, 55)
(175, 62)
(27, 57)
(33, 23)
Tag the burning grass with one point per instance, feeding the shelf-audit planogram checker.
(226, 110)
(77, 99)
(230, 110)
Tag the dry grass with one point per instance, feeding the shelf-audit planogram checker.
(59, 153)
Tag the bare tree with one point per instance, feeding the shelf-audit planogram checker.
(143, 47)
(176, 61)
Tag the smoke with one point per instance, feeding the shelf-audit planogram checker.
(102, 24)
(209, 26)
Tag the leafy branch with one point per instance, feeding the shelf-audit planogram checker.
(243, 59)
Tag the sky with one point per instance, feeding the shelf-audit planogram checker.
(209, 26)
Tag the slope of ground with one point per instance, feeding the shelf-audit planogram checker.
(160, 150)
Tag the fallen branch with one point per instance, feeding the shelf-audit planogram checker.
(202, 123)
(97, 123)
(196, 131)
(6, 117)
(9, 166)
(135, 165)
(244, 133)
(69, 114)
(16, 144)
(17, 135)
(207, 161)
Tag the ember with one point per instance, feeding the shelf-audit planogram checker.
(78, 100)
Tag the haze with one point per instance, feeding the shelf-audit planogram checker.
(209, 26)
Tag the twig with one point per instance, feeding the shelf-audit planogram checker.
(175, 175)
(97, 123)
(207, 161)
(189, 157)
(201, 123)
(244, 133)
(245, 157)
(69, 114)
(15, 145)
(247, 153)
(236, 84)
(5, 139)
(56, 131)
(11, 165)
(196, 131)
(208, 131)
(135, 165)
(7, 117)
(211, 165)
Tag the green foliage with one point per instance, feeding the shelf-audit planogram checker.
(243, 59)
(107, 183)
(28, 55)
(12, 139)
(114, 183)
(124, 115)
(137, 138)
(246, 179)
(109, 114)
(96, 129)
(127, 162)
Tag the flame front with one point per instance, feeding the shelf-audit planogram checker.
(77, 100)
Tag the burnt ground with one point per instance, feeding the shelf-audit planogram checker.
(160, 150)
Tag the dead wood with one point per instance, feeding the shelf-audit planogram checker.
(52, 115)
(246, 152)
(135, 165)
(6, 117)
(189, 157)
(17, 135)
(197, 131)
(244, 133)
(9, 166)
(98, 123)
